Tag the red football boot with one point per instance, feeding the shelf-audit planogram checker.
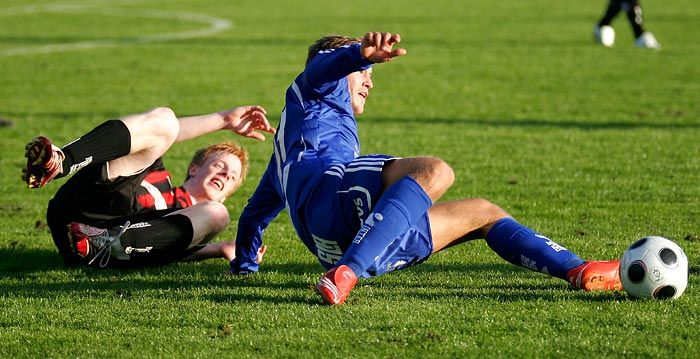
(596, 275)
(44, 162)
(336, 284)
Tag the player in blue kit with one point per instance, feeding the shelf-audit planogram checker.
(364, 216)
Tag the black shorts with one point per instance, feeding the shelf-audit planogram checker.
(89, 197)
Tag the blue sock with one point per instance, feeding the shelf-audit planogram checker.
(399, 207)
(522, 246)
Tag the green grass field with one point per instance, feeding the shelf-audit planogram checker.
(593, 147)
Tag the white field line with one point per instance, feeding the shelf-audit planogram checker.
(215, 25)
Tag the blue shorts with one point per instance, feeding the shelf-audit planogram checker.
(332, 221)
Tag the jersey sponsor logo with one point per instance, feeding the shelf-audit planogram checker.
(359, 208)
(327, 251)
(362, 200)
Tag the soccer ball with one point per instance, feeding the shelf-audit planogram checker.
(654, 267)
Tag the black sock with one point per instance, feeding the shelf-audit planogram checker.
(170, 233)
(634, 14)
(610, 13)
(106, 142)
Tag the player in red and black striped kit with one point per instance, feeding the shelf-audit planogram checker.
(119, 207)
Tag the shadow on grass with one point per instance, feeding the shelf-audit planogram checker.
(37, 273)
(19, 261)
(507, 283)
(41, 274)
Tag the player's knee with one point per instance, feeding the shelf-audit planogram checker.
(163, 122)
(217, 215)
(436, 176)
(162, 111)
(444, 173)
(491, 213)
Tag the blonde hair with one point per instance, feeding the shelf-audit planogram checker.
(201, 155)
(330, 42)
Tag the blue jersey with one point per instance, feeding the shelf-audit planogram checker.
(317, 131)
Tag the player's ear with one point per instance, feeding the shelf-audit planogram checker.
(192, 170)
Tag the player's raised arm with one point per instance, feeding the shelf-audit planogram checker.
(378, 47)
(244, 120)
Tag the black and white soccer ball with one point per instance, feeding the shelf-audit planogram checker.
(654, 267)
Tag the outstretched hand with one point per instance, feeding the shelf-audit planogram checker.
(258, 258)
(378, 47)
(261, 253)
(246, 120)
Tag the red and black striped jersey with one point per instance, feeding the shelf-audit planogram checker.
(157, 192)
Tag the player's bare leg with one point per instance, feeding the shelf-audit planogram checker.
(208, 220)
(459, 221)
(128, 145)
(152, 134)
(434, 175)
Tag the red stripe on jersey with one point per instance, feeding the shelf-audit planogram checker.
(157, 192)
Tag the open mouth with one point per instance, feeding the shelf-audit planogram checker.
(218, 183)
